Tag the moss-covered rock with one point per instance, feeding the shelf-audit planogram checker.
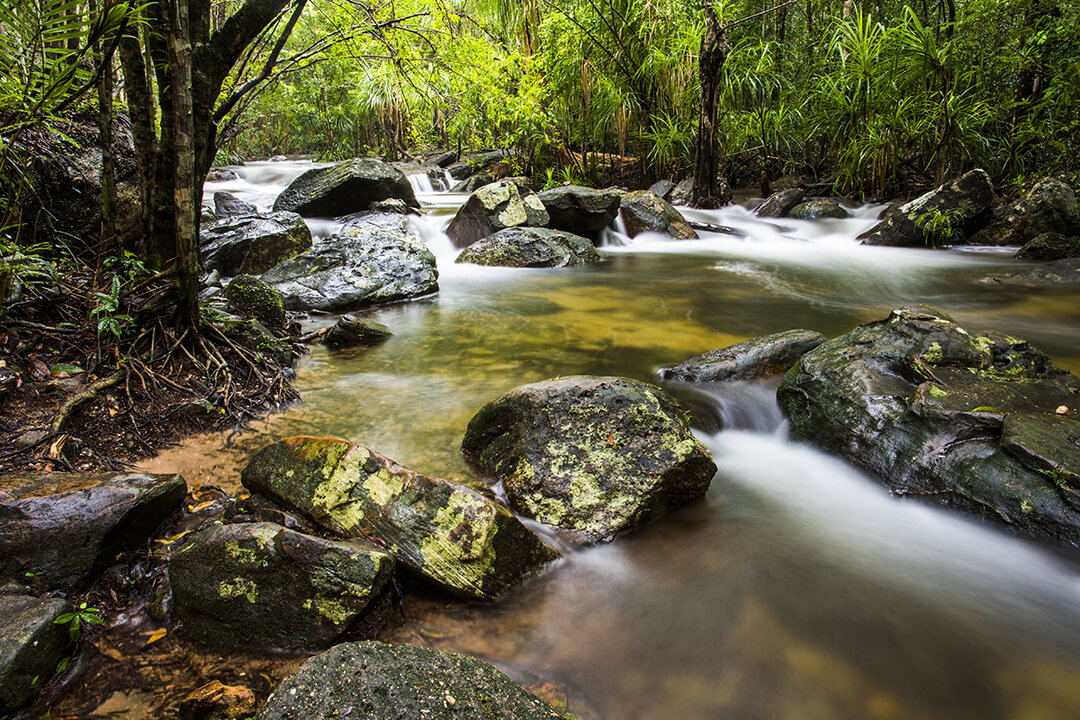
(1049, 206)
(31, 645)
(252, 334)
(593, 455)
(253, 298)
(581, 210)
(1050, 246)
(494, 207)
(262, 586)
(1058, 272)
(780, 203)
(350, 331)
(375, 681)
(531, 247)
(454, 536)
(253, 243)
(347, 187)
(818, 208)
(749, 360)
(946, 214)
(975, 421)
(642, 211)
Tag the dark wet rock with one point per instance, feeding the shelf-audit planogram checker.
(593, 455)
(682, 193)
(531, 247)
(443, 159)
(749, 360)
(1050, 246)
(817, 209)
(216, 701)
(31, 645)
(218, 174)
(1049, 206)
(496, 207)
(475, 162)
(662, 188)
(253, 298)
(350, 331)
(254, 335)
(473, 183)
(253, 243)
(1059, 272)
(780, 203)
(375, 681)
(642, 211)
(69, 526)
(752, 204)
(344, 188)
(581, 210)
(374, 259)
(963, 205)
(227, 205)
(970, 420)
(390, 205)
(714, 228)
(265, 587)
(450, 534)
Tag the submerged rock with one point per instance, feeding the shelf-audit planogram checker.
(1050, 246)
(594, 455)
(642, 211)
(253, 243)
(818, 208)
(531, 247)
(262, 586)
(67, 527)
(1049, 206)
(373, 260)
(450, 534)
(344, 188)
(944, 215)
(251, 297)
(494, 207)
(581, 210)
(749, 360)
(390, 682)
(1059, 272)
(780, 203)
(350, 331)
(31, 645)
(975, 421)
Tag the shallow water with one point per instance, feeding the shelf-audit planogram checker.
(797, 588)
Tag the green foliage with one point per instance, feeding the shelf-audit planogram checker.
(127, 269)
(940, 227)
(82, 615)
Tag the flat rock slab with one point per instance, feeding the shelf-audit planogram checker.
(70, 526)
(532, 247)
(253, 243)
(978, 421)
(450, 534)
(31, 645)
(344, 188)
(749, 360)
(375, 681)
(261, 586)
(593, 455)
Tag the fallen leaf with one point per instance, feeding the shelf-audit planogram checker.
(1062, 410)
(38, 369)
(155, 635)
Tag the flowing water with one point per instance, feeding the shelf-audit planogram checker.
(797, 588)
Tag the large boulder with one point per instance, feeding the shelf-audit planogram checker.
(351, 331)
(642, 211)
(495, 207)
(593, 455)
(531, 247)
(450, 534)
(252, 243)
(226, 205)
(780, 203)
(66, 527)
(1049, 206)
(31, 645)
(817, 209)
(262, 586)
(581, 210)
(347, 187)
(388, 682)
(945, 214)
(1050, 246)
(372, 261)
(1058, 272)
(982, 422)
(752, 359)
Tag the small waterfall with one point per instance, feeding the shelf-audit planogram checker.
(421, 183)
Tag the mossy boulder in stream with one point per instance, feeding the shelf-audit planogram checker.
(31, 645)
(262, 586)
(817, 209)
(752, 359)
(494, 207)
(593, 455)
(581, 210)
(253, 298)
(1049, 206)
(452, 535)
(982, 422)
(375, 681)
(252, 243)
(532, 247)
(946, 213)
(643, 211)
(347, 187)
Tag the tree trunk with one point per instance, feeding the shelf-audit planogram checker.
(186, 224)
(714, 52)
(141, 109)
(105, 136)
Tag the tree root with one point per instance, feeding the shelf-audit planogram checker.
(75, 402)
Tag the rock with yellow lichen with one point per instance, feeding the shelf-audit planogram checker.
(262, 586)
(453, 536)
(592, 455)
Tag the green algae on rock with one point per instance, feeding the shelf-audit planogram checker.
(531, 247)
(450, 534)
(978, 421)
(31, 645)
(592, 455)
(262, 586)
(386, 682)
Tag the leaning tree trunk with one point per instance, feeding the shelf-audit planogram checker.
(186, 228)
(141, 109)
(714, 51)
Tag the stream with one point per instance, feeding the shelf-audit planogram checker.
(797, 588)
